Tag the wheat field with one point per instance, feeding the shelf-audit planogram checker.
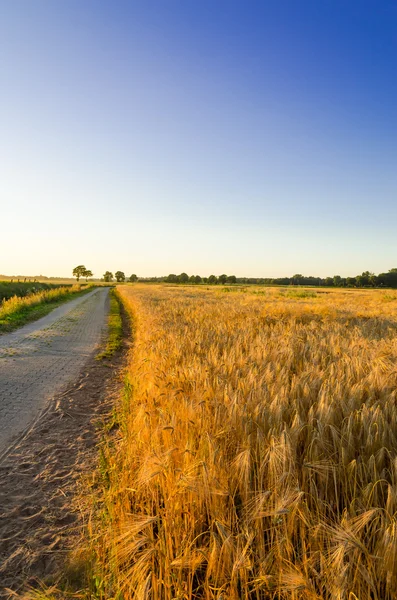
(256, 454)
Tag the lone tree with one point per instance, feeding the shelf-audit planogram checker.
(108, 276)
(87, 273)
(133, 278)
(79, 271)
(119, 276)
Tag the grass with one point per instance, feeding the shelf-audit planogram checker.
(257, 453)
(299, 293)
(17, 311)
(8, 289)
(115, 327)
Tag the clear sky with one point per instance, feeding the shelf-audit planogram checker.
(158, 136)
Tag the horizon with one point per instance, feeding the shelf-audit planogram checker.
(169, 137)
(239, 276)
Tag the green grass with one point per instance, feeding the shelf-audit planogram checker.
(115, 325)
(299, 294)
(8, 289)
(17, 311)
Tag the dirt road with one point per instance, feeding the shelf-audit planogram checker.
(42, 358)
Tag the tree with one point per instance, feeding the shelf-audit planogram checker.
(297, 279)
(108, 276)
(212, 279)
(172, 278)
(197, 279)
(360, 281)
(337, 280)
(87, 273)
(231, 279)
(222, 279)
(366, 279)
(133, 278)
(388, 279)
(183, 278)
(79, 271)
(119, 276)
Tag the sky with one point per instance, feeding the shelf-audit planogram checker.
(205, 136)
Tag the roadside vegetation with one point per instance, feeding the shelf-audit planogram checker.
(257, 453)
(8, 289)
(115, 327)
(16, 311)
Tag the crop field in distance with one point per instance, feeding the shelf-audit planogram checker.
(256, 454)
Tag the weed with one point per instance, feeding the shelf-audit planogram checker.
(115, 327)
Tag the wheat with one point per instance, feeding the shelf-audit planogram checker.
(257, 456)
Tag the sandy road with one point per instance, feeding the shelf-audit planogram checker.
(42, 358)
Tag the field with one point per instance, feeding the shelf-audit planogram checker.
(256, 454)
(34, 302)
(8, 289)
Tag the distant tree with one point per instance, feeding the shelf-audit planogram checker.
(212, 279)
(119, 276)
(192, 279)
(388, 279)
(222, 279)
(172, 278)
(183, 278)
(79, 271)
(372, 278)
(231, 279)
(337, 280)
(329, 281)
(108, 276)
(197, 279)
(351, 281)
(360, 281)
(366, 279)
(133, 278)
(297, 279)
(87, 273)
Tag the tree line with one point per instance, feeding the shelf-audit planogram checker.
(212, 279)
(81, 271)
(366, 279)
(119, 276)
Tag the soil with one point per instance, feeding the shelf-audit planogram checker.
(40, 520)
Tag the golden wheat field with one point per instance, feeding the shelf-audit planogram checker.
(257, 451)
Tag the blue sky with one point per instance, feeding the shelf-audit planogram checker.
(254, 138)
